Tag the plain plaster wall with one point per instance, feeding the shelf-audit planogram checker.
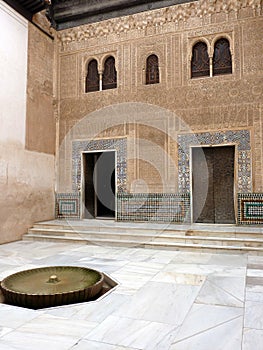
(26, 178)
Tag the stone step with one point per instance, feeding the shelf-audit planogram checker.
(200, 246)
(163, 239)
(150, 235)
(146, 236)
(153, 229)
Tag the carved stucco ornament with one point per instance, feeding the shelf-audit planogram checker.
(160, 17)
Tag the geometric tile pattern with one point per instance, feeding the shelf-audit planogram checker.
(156, 207)
(119, 145)
(68, 205)
(240, 138)
(250, 208)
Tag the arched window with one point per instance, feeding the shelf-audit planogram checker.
(222, 60)
(200, 61)
(109, 79)
(152, 70)
(92, 79)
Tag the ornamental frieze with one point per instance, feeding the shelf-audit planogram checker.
(156, 18)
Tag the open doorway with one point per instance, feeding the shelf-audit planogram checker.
(99, 185)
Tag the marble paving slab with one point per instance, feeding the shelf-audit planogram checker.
(165, 300)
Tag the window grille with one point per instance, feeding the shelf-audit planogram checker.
(92, 79)
(200, 61)
(109, 79)
(152, 70)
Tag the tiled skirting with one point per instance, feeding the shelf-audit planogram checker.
(68, 205)
(159, 207)
(250, 208)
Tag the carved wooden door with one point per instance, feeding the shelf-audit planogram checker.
(213, 184)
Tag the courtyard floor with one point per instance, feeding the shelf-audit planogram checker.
(165, 300)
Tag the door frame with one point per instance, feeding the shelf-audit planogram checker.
(235, 180)
(82, 181)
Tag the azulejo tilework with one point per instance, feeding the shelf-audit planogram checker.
(118, 144)
(240, 138)
(250, 208)
(159, 207)
(68, 205)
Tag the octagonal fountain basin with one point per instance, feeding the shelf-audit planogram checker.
(51, 286)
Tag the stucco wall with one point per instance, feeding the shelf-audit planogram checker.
(26, 178)
(210, 104)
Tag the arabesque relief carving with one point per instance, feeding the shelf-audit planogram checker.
(157, 18)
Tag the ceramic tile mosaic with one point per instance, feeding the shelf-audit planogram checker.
(240, 138)
(160, 207)
(250, 208)
(119, 145)
(68, 205)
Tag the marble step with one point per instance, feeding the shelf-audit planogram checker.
(147, 236)
(200, 246)
(163, 238)
(153, 229)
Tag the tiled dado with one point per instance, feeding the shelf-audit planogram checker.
(119, 145)
(159, 207)
(68, 205)
(241, 138)
(250, 208)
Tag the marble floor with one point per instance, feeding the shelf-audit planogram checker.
(165, 300)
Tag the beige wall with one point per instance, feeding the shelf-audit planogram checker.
(227, 102)
(40, 122)
(26, 178)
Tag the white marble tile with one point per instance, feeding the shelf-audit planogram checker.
(179, 278)
(252, 339)
(130, 333)
(28, 341)
(4, 331)
(254, 273)
(160, 302)
(226, 336)
(230, 260)
(254, 288)
(92, 345)
(204, 317)
(98, 311)
(52, 325)
(13, 317)
(218, 290)
(254, 296)
(255, 259)
(253, 315)
(191, 258)
(205, 270)
(133, 276)
(137, 311)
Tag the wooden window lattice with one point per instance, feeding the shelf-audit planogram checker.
(200, 61)
(152, 70)
(92, 79)
(222, 60)
(109, 79)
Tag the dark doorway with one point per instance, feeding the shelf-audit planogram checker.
(213, 184)
(99, 174)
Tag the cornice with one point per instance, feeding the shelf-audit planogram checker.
(156, 18)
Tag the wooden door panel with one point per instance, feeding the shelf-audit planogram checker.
(203, 185)
(213, 184)
(224, 184)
